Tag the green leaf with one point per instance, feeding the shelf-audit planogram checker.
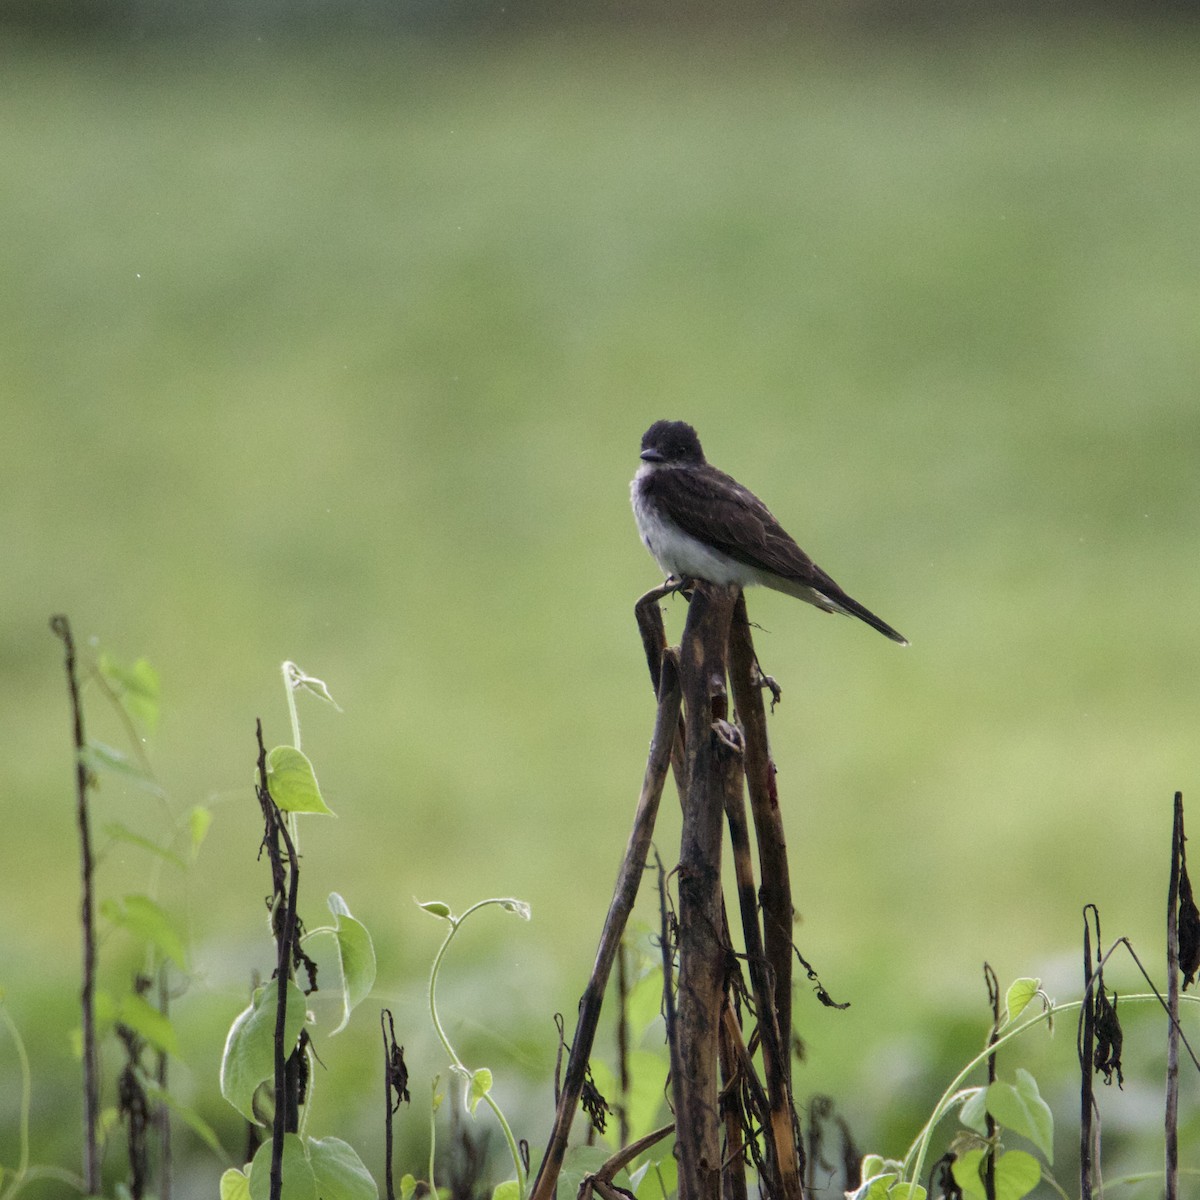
(339, 1172)
(1017, 1174)
(479, 1086)
(110, 1120)
(973, 1113)
(1020, 993)
(647, 1090)
(435, 908)
(235, 1185)
(146, 1021)
(356, 958)
(874, 1187)
(189, 1116)
(143, 918)
(249, 1057)
(1020, 1107)
(874, 1164)
(292, 782)
(136, 687)
(105, 1007)
(120, 833)
(299, 1182)
(658, 1179)
(408, 1185)
(646, 1097)
(579, 1162)
(199, 819)
(510, 1189)
(880, 1182)
(643, 1004)
(98, 757)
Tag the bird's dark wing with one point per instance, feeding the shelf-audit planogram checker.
(716, 509)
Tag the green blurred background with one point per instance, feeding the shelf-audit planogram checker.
(339, 348)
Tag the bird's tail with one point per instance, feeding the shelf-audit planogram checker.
(825, 594)
(850, 607)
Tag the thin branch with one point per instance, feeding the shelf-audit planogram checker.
(395, 1092)
(758, 1100)
(775, 890)
(286, 886)
(650, 626)
(771, 973)
(1087, 1049)
(61, 627)
(702, 947)
(989, 1175)
(385, 1017)
(733, 1113)
(628, 881)
(133, 1107)
(1172, 1102)
(623, 1044)
(632, 1152)
(667, 929)
(1153, 994)
(654, 642)
(783, 1158)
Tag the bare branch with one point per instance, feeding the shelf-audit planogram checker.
(628, 881)
(61, 627)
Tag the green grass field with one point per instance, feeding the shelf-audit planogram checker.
(342, 354)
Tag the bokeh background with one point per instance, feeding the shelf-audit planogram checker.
(330, 335)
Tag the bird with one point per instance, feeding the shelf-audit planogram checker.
(700, 523)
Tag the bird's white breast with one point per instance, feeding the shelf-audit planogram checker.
(677, 552)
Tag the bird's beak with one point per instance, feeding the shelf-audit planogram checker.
(651, 456)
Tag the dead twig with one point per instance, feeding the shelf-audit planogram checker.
(654, 642)
(1087, 1050)
(285, 874)
(1171, 1116)
(61, 628)
(711, 760)
(989, 1173)
(628, 882)
(395, 1092)
(775, 889)
(783, 1156)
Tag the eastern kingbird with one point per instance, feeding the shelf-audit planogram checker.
(701, 524)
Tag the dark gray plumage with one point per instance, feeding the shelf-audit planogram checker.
(700, 523)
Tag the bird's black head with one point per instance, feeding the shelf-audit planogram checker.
(672, 442)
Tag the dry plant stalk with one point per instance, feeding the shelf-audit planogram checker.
(712, 759)
(711, 756)
(1171, 1114)
(661, 747)
(61, 628)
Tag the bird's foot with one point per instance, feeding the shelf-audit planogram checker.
(668, 587)
(682, 584)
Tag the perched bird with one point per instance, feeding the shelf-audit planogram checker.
(699, 523)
